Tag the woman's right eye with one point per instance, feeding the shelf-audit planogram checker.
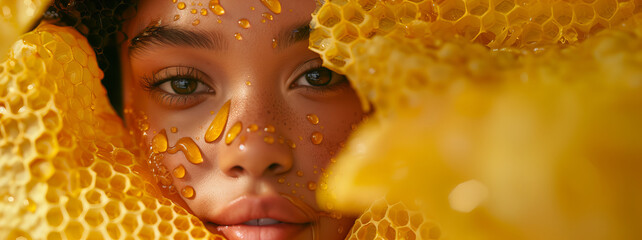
(183, 86)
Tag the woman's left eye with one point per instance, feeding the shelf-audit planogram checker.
(318, 77)
(183, 86)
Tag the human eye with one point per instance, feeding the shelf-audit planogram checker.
(319, 79)
(178, 87)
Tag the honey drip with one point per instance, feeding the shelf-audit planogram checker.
(218, 123)
(159, 142)
(189, 148)
(308, 211)
(216, 7)
(269, 128)
(244, 23)
(248, 83)
(188, 192)
(196, 22)
(316, 138)
(193, 11)
(268, 139)
(176, 17)
(238, 36)
(203, 11)
(267, 16)
(179, 172)
(273, 5)
(312, 118)
(252, 128)
(233, 132)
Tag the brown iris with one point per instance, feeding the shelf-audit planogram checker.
(184, 86)
(318, 77)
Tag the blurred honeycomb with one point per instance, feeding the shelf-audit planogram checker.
(339, 25)
(386, 220)
(16, 17)
(69, 168)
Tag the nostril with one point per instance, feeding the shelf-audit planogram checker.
(274, 167)
(236, 170)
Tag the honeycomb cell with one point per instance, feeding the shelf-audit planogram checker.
(329, 15)
(367, 5)
(406, 12)
(398, 215)
(518, 16)
(532, 33)
(345, 32)
(583, 13)
(452, 10)
(468, 27)
(605, 8)
(94, 217)
(130, 223)
(54, 217)
(504, 6)
(477, 7)
(352, 13)
(563, 13)
(550, 31)
(74, 230)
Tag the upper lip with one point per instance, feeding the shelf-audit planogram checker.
(246, 208)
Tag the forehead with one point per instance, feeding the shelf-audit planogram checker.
(198, 16)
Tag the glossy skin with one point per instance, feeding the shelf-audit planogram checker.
(266, 86)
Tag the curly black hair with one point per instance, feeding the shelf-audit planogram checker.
(100, 21)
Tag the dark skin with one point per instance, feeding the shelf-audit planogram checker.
(183, 83)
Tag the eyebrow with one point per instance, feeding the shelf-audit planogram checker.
(293, 35)
(156, 36)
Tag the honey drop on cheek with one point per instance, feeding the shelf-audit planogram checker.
(273, 5)
(159, 142)
(316, 138)
(188, 192)
(179, 172)
(218, 123)
(189, 148)
(233, 132)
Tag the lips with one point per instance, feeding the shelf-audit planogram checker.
(271, 217)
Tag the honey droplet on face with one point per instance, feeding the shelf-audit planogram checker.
(312, 118)
(252, 128)
(316, 138)
(299, 173)
(193, 11)
(203, 11)
(291, 144)
(252, 8)
(218, 21)
(176, 17)
(324, 186)
(233, 132)
(273, 5)
(268, 139)
(181, 6)
(189, 148)
(196, 22)
(267, 16)
(238, 36)
(274, 43)
(159, 142)
(244, 23)
(281, 180)
(173, 129)
(216, 8)
(218, 123)
(188, 192)
(248, 83)
(179, 172)
(269, 128)
(312, 186)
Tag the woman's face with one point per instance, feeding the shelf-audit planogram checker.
(182, 63)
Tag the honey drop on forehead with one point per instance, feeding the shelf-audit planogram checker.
(267, 16)
(238, 36)
(181, 5)
(218, 123)
(204, 12)
(244, 23)
(189, 148)
(196, 22)
(179, 172)
(312, 118)
(233, 132)
(316, 138)
(188, 192)
(269, 128)
(159, 142)
(273, 5)
(216, 7)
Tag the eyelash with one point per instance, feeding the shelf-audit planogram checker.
(314, 65)
(152, 85)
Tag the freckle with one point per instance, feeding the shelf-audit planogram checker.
(248, 83)
(204, 12)
(176, 17)
(188, 192)
(193, 11)
(299, 173)
(316, 138)
(196, 22)
(181, 5)
(238, 36)
(281, 180)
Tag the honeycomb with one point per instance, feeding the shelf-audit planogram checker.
(14, 22)
(490, 139)
(70, 168)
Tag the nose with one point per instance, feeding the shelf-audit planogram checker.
(249, 155)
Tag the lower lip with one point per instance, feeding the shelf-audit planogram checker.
(265, 232)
